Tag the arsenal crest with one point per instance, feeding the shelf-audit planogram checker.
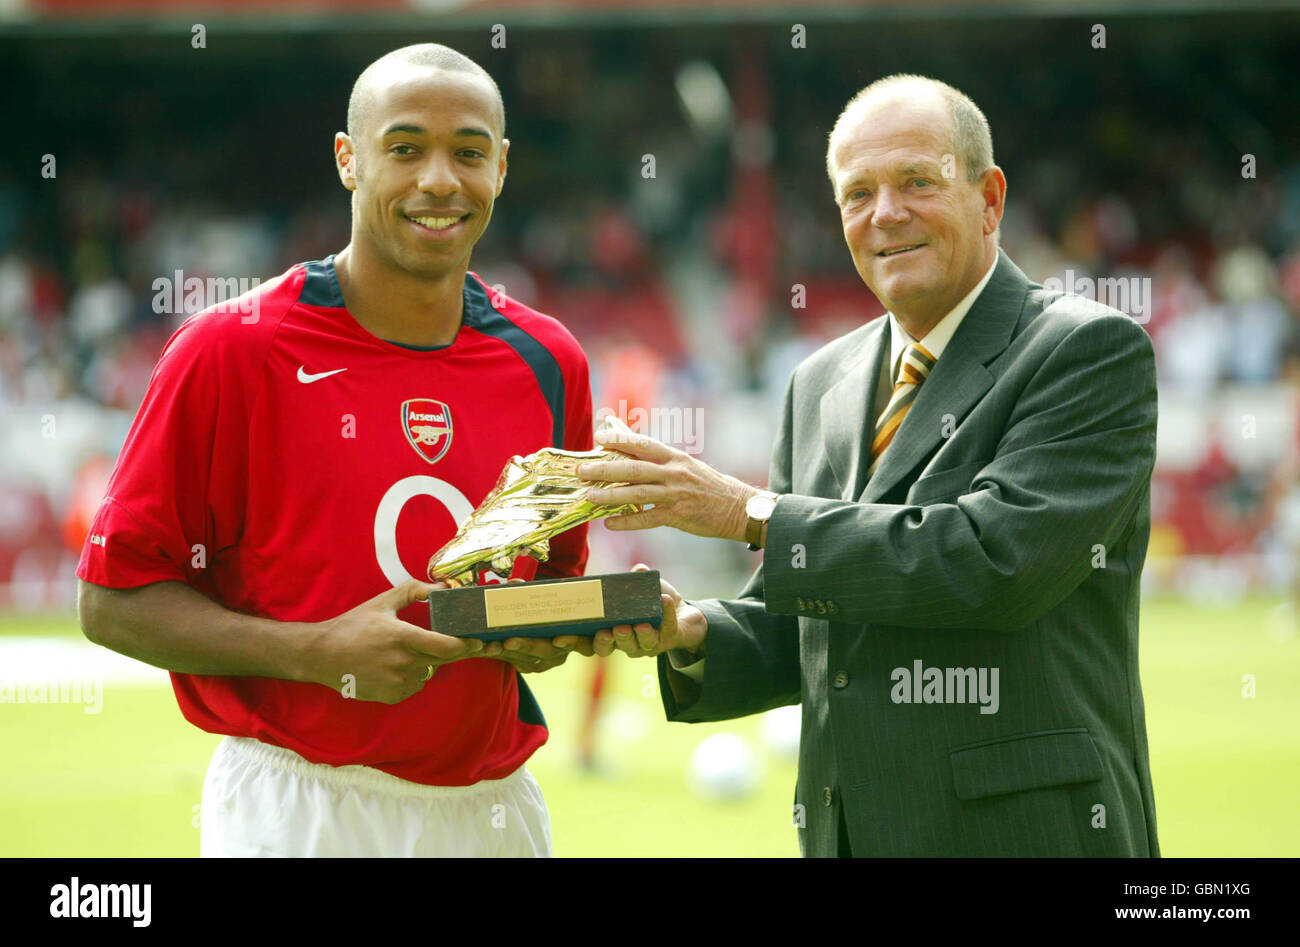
(427, 425)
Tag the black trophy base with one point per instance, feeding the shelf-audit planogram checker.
(548, 607)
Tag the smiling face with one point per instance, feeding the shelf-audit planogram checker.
(920, 239)
(426, 167)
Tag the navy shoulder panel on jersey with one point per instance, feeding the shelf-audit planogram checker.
(529, 710)
(480, 314)
(321, 287)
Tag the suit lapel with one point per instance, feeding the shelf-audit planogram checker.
(846, 411)
(957, 381)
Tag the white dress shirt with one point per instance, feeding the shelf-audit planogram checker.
(935, 341)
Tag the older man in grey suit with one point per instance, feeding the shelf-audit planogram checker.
(954, 535)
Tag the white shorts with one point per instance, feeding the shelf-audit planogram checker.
(265, 801)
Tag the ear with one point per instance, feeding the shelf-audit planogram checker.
(345, 160)
(501, 168)
(993, 192)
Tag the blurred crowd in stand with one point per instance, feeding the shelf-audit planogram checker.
(690, 296)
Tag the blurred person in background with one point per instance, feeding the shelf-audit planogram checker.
(1278, 516)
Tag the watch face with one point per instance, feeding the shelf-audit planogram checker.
(760, 507)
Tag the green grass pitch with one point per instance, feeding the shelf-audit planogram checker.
(1226, 767)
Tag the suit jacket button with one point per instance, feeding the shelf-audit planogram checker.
(827, 795)
(804, 605)
(840, 680)
(831, 607)
(821, 607)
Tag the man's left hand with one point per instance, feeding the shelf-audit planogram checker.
(686, 493)
(526, 654)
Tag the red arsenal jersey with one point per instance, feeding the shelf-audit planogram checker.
(288, 464)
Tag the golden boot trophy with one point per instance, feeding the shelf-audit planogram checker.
(535, 498)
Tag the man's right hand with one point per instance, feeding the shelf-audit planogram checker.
(388, 659)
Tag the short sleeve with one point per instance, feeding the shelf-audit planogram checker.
(175, 498)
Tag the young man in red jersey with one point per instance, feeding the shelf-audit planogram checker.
(290, 471)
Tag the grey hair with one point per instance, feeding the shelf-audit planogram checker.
(972, 142)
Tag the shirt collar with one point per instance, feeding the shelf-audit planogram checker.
(936, 340)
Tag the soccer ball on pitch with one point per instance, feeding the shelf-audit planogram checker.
(724, 768)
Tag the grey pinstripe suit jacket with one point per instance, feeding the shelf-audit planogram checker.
(1006, 527)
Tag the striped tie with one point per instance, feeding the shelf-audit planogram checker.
(914, 366)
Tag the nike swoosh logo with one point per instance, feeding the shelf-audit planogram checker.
(308, 379)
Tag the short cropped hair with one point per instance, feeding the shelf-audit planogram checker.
(972, 142)
(362, 100)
